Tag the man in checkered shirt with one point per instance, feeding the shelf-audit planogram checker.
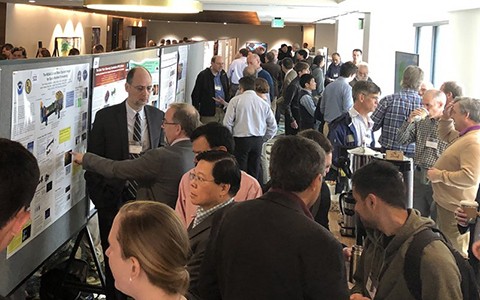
(428, 145)
(394, 109)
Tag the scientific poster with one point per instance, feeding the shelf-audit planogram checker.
(108, 86)
(153, 66)
(49, 117)
(182, 73)
(168, 79)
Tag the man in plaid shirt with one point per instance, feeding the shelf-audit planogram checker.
(428, 145)
(394, 109)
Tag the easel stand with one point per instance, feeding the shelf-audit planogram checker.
(84, 287)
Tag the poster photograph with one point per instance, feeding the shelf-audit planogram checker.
(108, 86)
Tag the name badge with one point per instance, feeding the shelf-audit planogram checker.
(350, 138)
(371, 287)
(218, 87)
(432, 144)
(135, 149)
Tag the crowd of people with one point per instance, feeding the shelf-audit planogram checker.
(191, 233)
(8, 51)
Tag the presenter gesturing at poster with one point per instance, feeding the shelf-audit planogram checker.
(158, 171)
(112, 136)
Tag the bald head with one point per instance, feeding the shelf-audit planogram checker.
(254, 60)
(424, 86)
(249, 71)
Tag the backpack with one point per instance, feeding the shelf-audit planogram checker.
(411, 270)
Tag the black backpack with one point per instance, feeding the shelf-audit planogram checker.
(411, 270)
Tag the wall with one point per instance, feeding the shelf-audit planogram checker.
(274, 37)
(349, 35)
(28, 24)
(390, 30)
(325, 37)
(465, 44)
(308, 35)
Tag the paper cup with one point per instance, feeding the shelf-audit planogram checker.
(470, 208)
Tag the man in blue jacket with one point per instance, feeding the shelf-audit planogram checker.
(354, 128)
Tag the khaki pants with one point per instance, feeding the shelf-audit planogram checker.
(218, 117)
(448, 225)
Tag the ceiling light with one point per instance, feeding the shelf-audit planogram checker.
(152, 6)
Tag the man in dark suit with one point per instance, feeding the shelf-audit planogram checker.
(158, 171)
(213, 184)
(275, 71)
(271, 248)
(212, 83)
(112, 137)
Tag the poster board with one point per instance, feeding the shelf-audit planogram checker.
(26, 258)
(55, 109)
(110, 74)
(402, 61)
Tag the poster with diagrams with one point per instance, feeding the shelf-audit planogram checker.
(153, 66)
(108, 86)
(182, 73)
(49, 117)
(168, 79)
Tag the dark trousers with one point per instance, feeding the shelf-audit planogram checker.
(248, 151)
(288, 129)
(233, 90)
(105, 221)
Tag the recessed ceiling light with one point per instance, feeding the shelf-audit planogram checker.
(31, 1)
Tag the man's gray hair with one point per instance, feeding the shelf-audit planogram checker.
(454, 88)
(412, 78)
(187, 116)
(470, 106)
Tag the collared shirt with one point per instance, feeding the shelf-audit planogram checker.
(219, 92)
(202, 213)
(186, 210)
(333, 71)
(474, 127)
(179, 140)
(424, 133)
(235, 70)
(363, 127)
(143, 124)
(249, 115)
(307, 102)
(337, 99)
(390, 114)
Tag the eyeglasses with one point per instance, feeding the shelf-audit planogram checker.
(168, 123)
(140, 88)
(194, 176)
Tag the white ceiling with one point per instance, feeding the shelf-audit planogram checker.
(307, 11)
(292, 11)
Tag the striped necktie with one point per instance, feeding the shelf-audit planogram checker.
(137, 137)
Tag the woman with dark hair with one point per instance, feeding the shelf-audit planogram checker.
(43, 52)
(73, 51)
(148, 252)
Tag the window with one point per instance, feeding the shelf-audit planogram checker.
(430, 45)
